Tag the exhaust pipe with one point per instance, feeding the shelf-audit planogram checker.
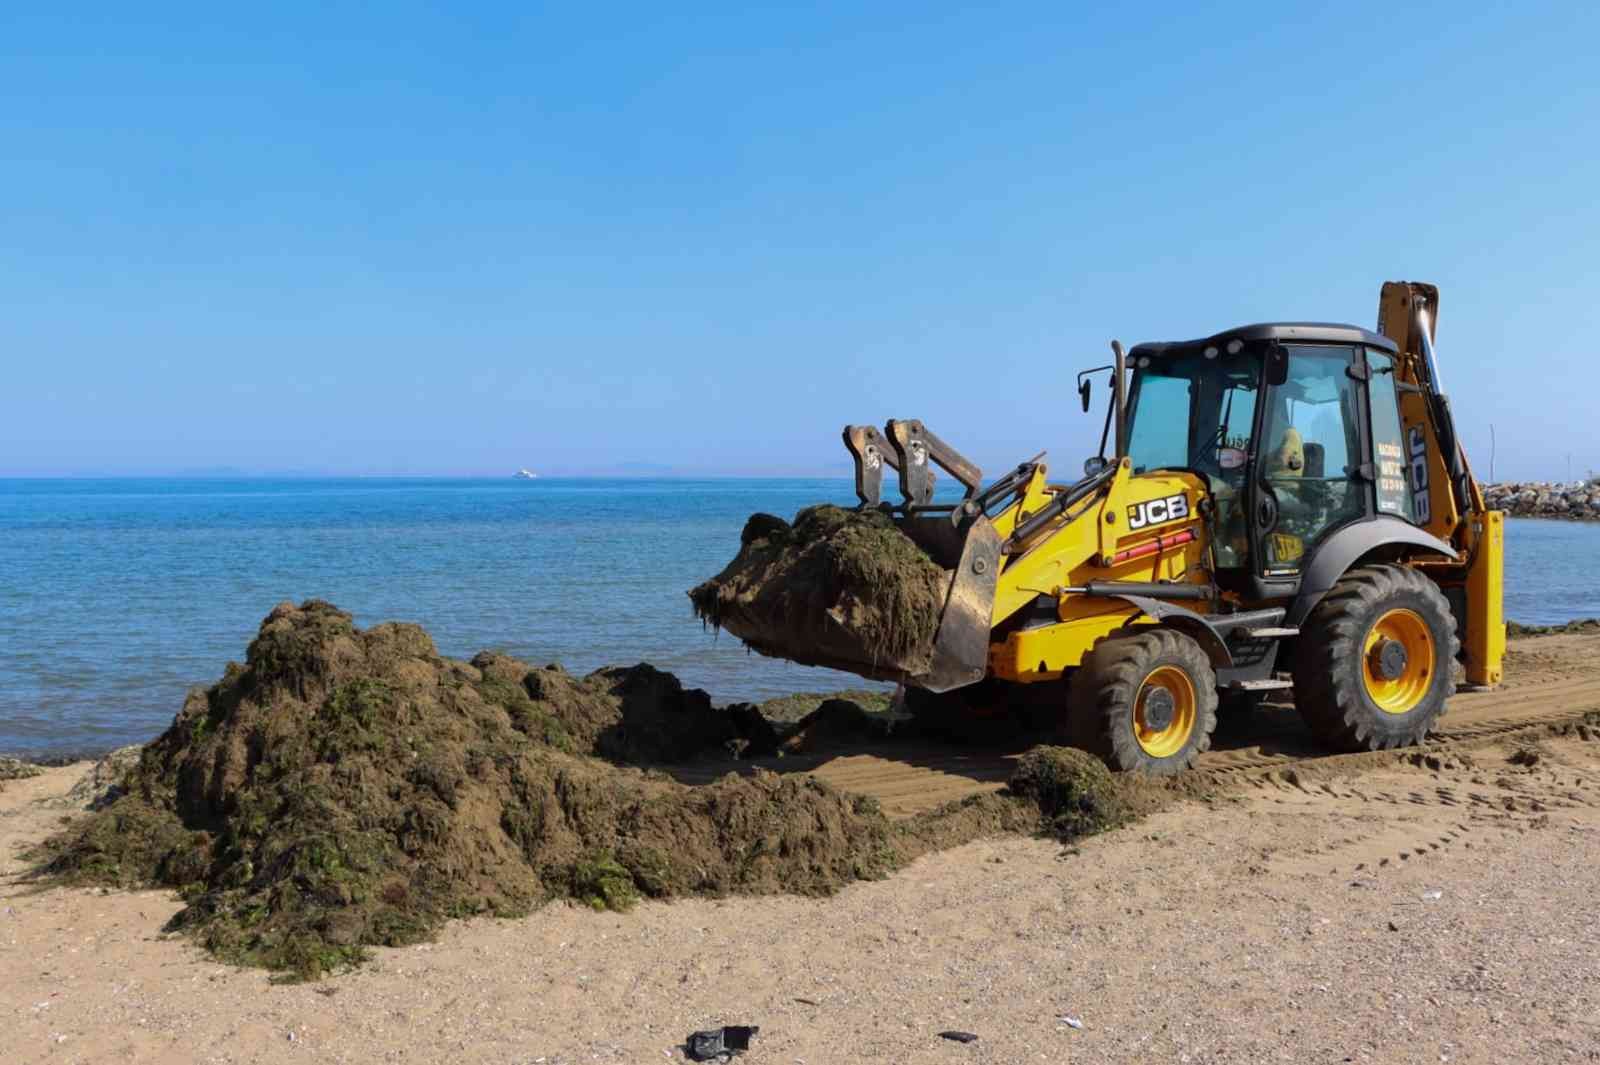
(1119, 396)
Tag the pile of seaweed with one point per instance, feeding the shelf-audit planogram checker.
(1060, 793)
(836, 587)
(347, 788)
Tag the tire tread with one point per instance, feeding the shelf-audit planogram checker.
(1103, 688)
(1328, 687)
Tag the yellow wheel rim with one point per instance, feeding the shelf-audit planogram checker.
(1161, 732)
(1397, 661)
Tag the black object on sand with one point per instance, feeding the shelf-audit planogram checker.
(720, 1044)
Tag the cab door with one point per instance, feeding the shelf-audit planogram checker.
(1311, 467)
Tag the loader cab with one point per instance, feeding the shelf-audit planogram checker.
(1295, 429)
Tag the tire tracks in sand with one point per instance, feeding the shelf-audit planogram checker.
(1551, 682)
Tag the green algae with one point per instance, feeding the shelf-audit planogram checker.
(345, 789)
(837, 587)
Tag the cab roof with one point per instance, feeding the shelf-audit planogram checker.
(1285, 332)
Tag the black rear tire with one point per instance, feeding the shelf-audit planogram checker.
(1342, 683)
(1116, 713)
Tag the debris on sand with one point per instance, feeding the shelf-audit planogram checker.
(1528, 754)
(720, 1044)
(345, 788)
(1581, 626)
(1060, 793)
(836, 587)
(1076, 795)
(959, 1037)
(105, 779)
(16, 769)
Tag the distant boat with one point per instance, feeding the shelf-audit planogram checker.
(525, 475)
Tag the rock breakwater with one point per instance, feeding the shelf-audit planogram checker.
(1575, 500)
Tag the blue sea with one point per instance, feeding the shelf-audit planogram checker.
(116, 596)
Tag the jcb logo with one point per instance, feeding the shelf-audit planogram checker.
(1158, 511)
(1421, 502)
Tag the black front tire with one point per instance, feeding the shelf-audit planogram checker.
(979, 713)
(1109, 710)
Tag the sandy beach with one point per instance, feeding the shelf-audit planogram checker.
(1421, 906)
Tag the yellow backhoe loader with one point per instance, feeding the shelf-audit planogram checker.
(1278, 506)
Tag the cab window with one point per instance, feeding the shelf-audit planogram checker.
(1196, 410)
(1159, 435)
(1192, 411)
(1310, 454)
(1388, 445)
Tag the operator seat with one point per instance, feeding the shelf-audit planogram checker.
(1316, 458)
(1286, 467)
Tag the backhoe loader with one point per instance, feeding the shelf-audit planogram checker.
(1283, 506)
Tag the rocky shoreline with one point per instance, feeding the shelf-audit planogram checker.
(1571, 501)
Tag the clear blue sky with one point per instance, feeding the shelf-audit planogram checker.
(463, 238)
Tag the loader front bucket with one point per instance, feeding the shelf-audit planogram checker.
(958, 537)
(831, 633)
(961, 648)
(892, 592)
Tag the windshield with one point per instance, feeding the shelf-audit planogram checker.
(1192, 412)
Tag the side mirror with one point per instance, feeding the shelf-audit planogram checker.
(1277, 364)
(1086, 389)
(1094, 466)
